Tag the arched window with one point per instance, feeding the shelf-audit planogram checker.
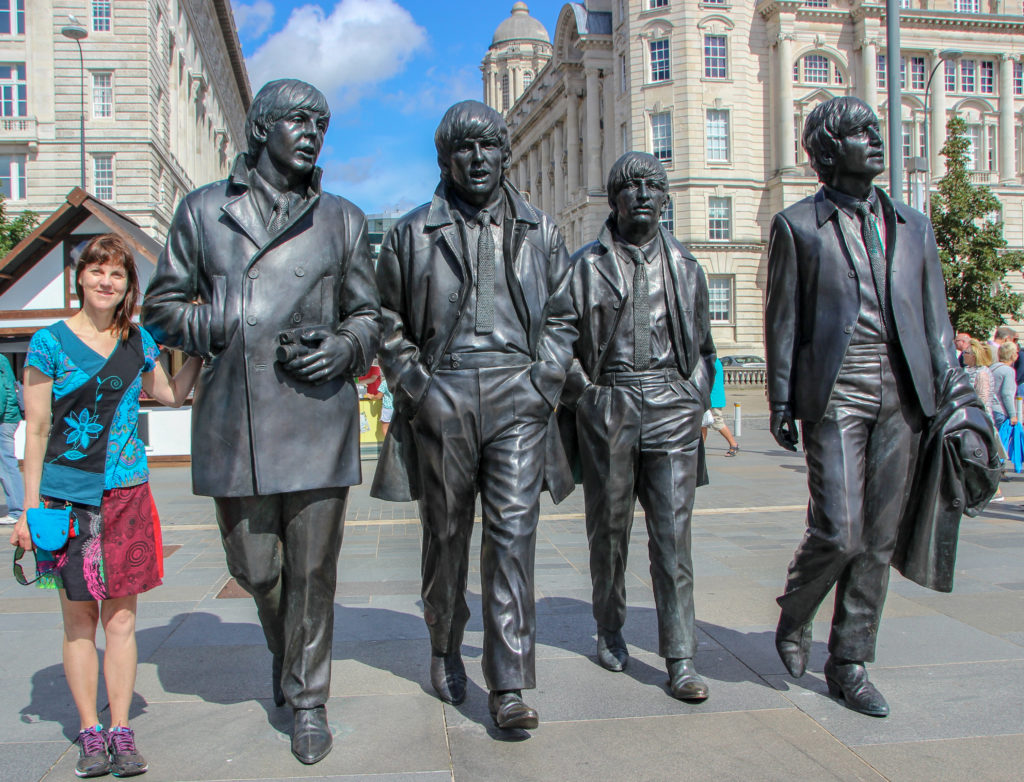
(816, 69)
(527, 79)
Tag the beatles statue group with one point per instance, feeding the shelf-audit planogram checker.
(511, 363)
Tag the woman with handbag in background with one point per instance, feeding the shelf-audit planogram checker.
(83, 376)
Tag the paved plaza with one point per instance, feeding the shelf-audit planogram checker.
(951, 666)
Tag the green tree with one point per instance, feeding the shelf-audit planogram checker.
(971, 244)
(14, 230)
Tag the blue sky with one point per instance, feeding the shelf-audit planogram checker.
(389, 68)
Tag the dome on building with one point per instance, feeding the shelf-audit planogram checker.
(520, 26)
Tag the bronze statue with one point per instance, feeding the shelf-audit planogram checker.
(263, 261)
(478, 334)
(860, 350)
(640, 385)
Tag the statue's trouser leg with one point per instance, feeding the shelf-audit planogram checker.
(860, 461)
(283, 549)
(482, 428)
(642, 441)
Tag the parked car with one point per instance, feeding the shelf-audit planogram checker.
(745, 362)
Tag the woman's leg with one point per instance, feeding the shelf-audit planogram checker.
(121, 658)
(81, 665)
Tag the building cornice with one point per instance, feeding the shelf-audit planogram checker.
(229, 33)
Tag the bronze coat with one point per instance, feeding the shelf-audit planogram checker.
(224, 288)
(599, 293)
(424, 284)
(813, 301)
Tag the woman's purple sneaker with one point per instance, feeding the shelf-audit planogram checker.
(125, 760)
(92, 753)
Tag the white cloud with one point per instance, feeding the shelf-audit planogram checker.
(253, 18)
(382, 183)
(358, 44)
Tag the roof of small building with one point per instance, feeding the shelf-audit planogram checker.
(520, 26)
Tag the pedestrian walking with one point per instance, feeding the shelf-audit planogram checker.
(10, 417)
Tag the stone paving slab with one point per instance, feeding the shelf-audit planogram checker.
(952, 666)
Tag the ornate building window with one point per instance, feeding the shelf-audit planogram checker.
(950, 74)
(720, 298)
(881, 68)
(974, 156)
(661, 136)
(967, 6)
(103, 177)
(668, 220)
(720, 218)
(967, 76)
(504, 91)
(817, 69)
(716, 131)
(527, 79)
(102, 95)
(13, 181)
(715, 57)
(659, 60)
(918, 70)
(988, 77)
(816, 3)
(657, 3)
(102, 12)
(1018, 78)
(13, 90)
(12, 18)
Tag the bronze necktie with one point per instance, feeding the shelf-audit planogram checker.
(484, 275)
(869, 233)
(641, 312)
(279, 215)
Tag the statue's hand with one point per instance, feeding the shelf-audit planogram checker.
(783, 427)
(330, 358)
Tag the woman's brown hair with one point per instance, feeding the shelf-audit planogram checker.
(111, 248)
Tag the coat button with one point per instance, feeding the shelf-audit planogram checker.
(453, 297)
(602, 346)
(977, 452)
(616, 305)
(455, 362)
(851, 274)
(848, 329)
(957, 502)
(297, 317)
(251, 320)
(299, 271)
(254, 273)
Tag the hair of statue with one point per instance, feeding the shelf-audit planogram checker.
(274, 100)
(825, 128)
(465, 120)
(112, 249)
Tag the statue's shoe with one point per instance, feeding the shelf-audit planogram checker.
(683, 681)
(849, 682)
(509, 710)
(794, 646)
(311, 738)
(611, 650)
(448, 675)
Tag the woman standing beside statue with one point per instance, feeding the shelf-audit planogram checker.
(83, 376)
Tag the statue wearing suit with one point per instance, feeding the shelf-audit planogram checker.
(478, 334)
(640, 386)
(858, 344)
(271, 279)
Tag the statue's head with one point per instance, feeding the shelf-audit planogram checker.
(637, 194)
(287, 120)
(842, 139)
(473, 151)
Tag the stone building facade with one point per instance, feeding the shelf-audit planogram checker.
(519, 50)
(719, 90)
(165, 96)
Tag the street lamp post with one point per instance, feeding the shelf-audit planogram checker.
(76, 32)
(944, 55)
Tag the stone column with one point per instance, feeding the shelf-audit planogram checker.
(558, 138)
(536, 193)
(784, 104)
(545, 172)
(572, 141)
(521, 175)
(592, 136)
(869, 73)
(610, 130)
(1007, 123)
(936, 119)
(514, 84)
